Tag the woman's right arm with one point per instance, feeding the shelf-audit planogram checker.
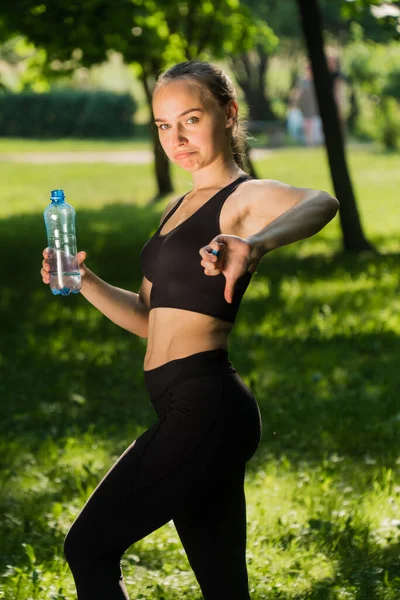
(126, 309)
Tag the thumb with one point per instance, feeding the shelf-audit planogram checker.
(229, 287)
(81, 256)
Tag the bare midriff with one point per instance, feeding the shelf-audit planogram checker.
(176, 333)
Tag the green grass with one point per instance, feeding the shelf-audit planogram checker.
(317, 340)
(71, 145)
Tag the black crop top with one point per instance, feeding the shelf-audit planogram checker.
(171, 262)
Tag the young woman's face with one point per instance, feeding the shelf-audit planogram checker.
(190, 138)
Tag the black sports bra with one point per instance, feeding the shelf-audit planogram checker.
(171, 262)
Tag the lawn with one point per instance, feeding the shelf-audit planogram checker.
(71, 145)
(316, 339)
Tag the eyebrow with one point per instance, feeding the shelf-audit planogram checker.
(184, 113)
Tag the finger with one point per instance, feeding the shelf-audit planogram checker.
(45, 262)
(215, 249)
(45, 276)
(214, 256)
(203, 252)
(208, 257)
(212, 268)
(208, 272)
(46, 252)
(228, 294)
(211, 251)
(209, 264)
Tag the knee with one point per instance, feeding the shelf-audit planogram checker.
(91, 563)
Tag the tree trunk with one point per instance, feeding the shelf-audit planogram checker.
(354, 107)
(251, 78)
(161, 163)
(353, 236)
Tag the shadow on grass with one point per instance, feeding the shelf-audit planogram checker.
(329, 387)
(65, 365)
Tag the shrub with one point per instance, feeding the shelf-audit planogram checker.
(389, 123)
(67, 113)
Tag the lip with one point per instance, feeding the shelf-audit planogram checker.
(183, 154)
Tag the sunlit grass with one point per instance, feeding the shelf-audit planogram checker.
(317, 340)
(71, 145)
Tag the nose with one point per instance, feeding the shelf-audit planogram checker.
(178, 138)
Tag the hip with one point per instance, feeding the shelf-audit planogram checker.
(204, 393)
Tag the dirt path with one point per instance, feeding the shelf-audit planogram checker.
(120, 157)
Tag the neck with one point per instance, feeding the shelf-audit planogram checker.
(218, 174)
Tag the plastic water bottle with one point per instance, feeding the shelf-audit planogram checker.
(59, 218)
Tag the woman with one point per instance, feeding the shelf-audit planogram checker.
(306, 100)
(339, 89)
(190, 465)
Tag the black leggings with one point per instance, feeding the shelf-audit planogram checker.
(189, 466)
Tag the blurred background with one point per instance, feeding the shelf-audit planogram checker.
(317, 336)
(62, 67)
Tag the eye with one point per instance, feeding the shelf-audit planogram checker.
(189, 119)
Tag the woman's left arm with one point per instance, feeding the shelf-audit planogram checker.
(292, 214)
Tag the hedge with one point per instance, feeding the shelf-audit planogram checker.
(67, 113)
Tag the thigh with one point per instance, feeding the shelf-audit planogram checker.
(118, 512)
(151, 478)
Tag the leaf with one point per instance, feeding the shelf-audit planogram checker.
(29, 552)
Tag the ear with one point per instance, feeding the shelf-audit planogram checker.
(232, 110)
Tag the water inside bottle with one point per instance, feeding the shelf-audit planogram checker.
(65, 277)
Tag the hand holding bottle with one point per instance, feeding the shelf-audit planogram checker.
(46, 266)
(59, 218)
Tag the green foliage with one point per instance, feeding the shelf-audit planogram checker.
(375, 25)
(337, 16)
(149, 34)
(25, 66)
(392, 85)
(372, 66)
(373, 70)
(67, 113)
(317, 340)
(388, 123)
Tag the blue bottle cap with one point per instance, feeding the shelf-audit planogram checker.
(57, 196)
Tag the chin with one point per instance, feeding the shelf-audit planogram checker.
(188, 167)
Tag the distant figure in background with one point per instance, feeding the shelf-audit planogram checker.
(305, 99)
(339, 89)
(295, 122)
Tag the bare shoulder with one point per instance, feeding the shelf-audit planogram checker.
(263, 200)
(254, 188)
(269, 193)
